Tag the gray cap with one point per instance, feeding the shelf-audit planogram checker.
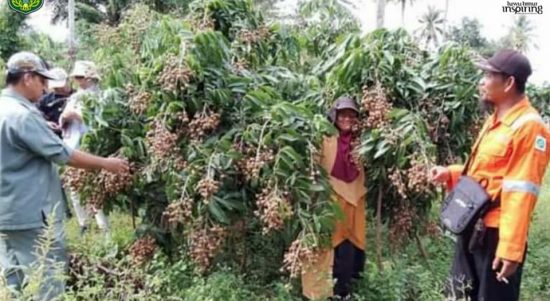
(86, 69)
(28, 62)
(61, 76)
(345, 102)
(342, 103)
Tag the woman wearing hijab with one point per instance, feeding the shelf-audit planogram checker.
(347, 256)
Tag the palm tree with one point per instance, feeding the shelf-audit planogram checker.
(94, 11)
(520, 35)
(110, 11)
(446, 9)
(403, 6)
(432, 27)
(380, 13)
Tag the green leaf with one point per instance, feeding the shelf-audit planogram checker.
(126, 141)
(389, 57)
(317, 188)
(101, 121)
(288, 137)
(382, 149)
(217, 212)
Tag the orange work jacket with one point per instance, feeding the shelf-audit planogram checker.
(512, 157)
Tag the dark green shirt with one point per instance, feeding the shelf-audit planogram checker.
(30, 188)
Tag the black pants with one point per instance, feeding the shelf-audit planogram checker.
(472, 274)
(349, 262)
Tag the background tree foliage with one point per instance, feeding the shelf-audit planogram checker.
(221, 112)
(520, 35)
(264, 89)
(468, 32)
(110, 11)
(12, 26)
(431, 30)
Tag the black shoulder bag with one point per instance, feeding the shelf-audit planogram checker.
(467, 202)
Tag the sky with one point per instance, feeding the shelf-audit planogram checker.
(489, 12)
(495, 23)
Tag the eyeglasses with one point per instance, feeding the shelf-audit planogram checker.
(79, 77)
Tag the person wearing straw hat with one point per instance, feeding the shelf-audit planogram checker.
(52, 103)
(31, 201)
(86, 75)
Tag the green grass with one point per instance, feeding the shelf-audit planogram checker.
(121, 234)
(541, 222)
(536, 277)
(409, 276)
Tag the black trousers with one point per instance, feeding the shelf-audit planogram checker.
(349, 262)
(472, 274)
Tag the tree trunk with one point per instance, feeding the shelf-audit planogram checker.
(446, 10)
(422, 250)
(403, 4)
(380, 13)
(428, 40)
(72, 38)
(379, 229)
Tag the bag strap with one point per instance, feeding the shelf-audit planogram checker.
(475, 148)
(493, 204)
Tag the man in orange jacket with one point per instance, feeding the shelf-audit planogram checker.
(511, 156)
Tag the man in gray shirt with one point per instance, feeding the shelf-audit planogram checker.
(30, 189)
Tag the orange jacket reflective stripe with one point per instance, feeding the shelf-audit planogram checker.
(512, 157)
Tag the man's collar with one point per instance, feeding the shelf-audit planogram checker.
(11, 93)
(516, 111)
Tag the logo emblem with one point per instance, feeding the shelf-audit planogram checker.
(522, 8)
(461, 203)
(540, 143)
(25, 6)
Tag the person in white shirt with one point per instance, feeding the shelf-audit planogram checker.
(86, 75)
